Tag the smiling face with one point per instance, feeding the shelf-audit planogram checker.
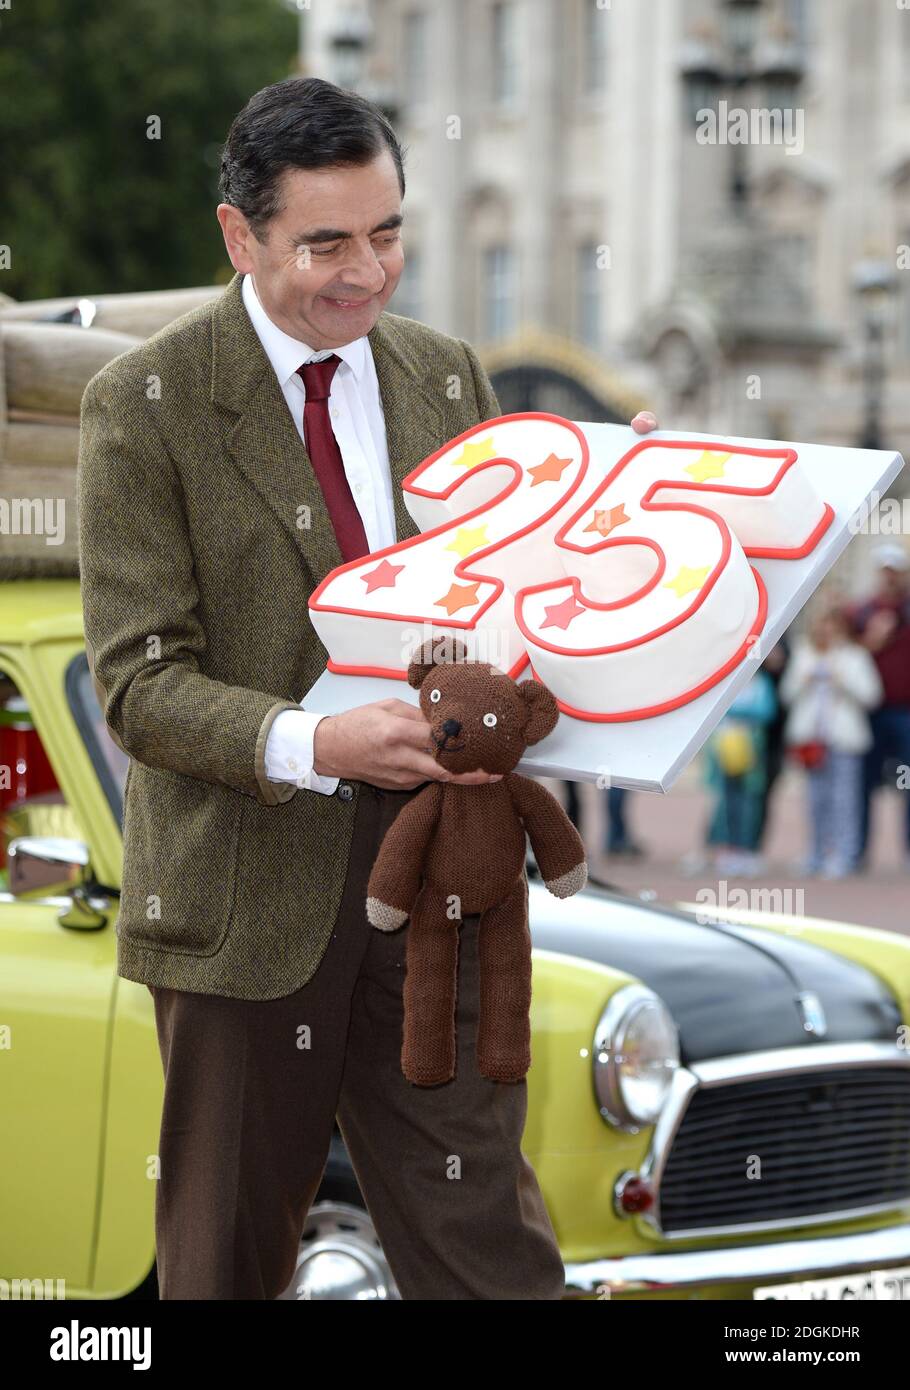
(332, 256)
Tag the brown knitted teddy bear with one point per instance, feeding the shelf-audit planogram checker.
(457, 849)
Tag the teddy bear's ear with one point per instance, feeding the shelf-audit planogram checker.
(543, 711)
(434, 652)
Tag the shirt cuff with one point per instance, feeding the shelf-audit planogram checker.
(289, 751)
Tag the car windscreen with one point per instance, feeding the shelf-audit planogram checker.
(110, 762)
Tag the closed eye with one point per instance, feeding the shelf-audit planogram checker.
(330, 250)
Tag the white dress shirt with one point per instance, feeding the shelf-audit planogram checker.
(358, 422)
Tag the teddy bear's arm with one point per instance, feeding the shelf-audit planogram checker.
(396, 874)
(557, 845)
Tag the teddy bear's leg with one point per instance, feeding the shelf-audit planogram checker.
(428, 1046)
(504, 950)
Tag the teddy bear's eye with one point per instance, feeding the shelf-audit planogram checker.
(489, 720)
(435, 696)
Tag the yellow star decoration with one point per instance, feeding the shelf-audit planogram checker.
(468, 538)
(710, 465)
(688, 579)
(475, 452)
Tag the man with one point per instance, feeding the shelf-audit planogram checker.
(882, 625)
(226, 466)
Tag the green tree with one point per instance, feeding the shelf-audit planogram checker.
(88, 202)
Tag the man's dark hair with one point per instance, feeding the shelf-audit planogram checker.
(299, 123)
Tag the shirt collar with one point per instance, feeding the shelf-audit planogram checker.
(285, 353)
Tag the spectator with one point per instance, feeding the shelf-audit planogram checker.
(737, 772)
(829, 685)
(775, 664)
(618, 840)
(882, 625)
(573, 805)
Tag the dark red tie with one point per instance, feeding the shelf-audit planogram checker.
(325, 456)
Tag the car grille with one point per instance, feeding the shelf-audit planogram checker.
(829, 1142)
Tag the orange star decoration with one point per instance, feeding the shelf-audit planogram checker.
(550, 471)
(688, 579)
(382, 577)
(468, 538)
(607, 521)
(709, 465)
(459, 596)
(475, 452)
(561, 614)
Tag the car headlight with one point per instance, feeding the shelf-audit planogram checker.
(636, 1055)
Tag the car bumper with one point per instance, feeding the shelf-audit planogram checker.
(687, 1270)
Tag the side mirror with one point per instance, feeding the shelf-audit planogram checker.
(41, 863)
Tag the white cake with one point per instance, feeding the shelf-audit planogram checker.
(625, 582)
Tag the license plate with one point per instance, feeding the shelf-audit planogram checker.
(874, 1284)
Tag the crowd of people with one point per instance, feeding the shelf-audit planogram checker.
(835, 703)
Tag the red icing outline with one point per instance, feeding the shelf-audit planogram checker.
(389, 674)
(788, 459)
(648, 713)
(453, 523)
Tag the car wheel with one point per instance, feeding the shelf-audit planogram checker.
(340, 1257)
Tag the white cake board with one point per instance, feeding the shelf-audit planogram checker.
(649, 754)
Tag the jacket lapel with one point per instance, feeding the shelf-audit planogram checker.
(263, 441)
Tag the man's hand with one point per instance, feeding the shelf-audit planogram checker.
(387, 743)
(644, 421)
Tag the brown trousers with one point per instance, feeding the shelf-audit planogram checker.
(251, 1092)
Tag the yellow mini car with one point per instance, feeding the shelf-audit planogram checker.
(717, 1109)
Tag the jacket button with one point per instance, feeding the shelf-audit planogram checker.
(345, 791)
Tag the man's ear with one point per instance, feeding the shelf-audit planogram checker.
(434, 652)
(236, 232)
(543, 711)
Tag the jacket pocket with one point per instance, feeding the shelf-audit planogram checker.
(181, 841)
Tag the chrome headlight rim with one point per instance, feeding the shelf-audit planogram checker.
(612, 1026)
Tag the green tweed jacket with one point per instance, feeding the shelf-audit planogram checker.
(195, 573)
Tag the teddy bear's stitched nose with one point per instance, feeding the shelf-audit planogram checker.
(451, 727)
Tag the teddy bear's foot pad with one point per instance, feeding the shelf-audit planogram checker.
(568, 884)
(384, 917)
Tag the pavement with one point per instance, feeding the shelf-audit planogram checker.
(669, 827)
